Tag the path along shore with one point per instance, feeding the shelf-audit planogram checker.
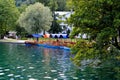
(12, 41)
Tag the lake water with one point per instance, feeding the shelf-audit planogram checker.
(19, 62)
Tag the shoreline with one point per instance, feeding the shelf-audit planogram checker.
(12, 41)
(53, 42)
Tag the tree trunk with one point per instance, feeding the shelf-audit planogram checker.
(119, 35)
(43, 32)
(116, 43)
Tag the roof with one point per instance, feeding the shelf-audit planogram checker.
(36, 35)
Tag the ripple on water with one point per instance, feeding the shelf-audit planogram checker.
(17, 76)
(53, 70)
(46, 72)
(2, 74)
(33, 55)
(20, 67)
(23, 70)
(21, 77)
(29, 63)
(32, 79)
(75, 77)
(29, 76)
(47, 77)
(10, 75)
(1, 70)
(12, 79)
(37, 61)
(6, 69)
(31, 67)
(43, 61)
(61, 74)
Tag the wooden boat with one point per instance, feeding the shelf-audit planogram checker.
(54, 45)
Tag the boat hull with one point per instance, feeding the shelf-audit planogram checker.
(49, 46)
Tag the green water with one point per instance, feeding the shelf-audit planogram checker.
(19, 62)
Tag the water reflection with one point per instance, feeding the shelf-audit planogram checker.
(18, 62)
(33, 63)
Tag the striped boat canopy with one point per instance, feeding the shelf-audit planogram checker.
(59, 35)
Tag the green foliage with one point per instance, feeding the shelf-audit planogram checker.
(8, 15)
(18, 2)
(53, 5)
(21, 31)
(22, 8)
(104, 38)
(59, 5)
(75, 32)
(100, 20)
(24, 2)
(111, 61)
(36, 18)
(84, 50)
(69, 5)
(45, 2)
(55, 27)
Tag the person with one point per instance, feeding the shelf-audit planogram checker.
(59, 43)
(57, 40)
(19, 37)
(16, 37)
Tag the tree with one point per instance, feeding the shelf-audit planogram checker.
(45, 2)
(55, 5)
(24, 2)
(56, 28)
(69, 5)
(36, 18)
(59, 5)
(22, 8)
(8, 15)
(100, 20)
(21, 32)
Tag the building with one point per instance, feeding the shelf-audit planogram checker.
(62, 17)
(12, 34)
